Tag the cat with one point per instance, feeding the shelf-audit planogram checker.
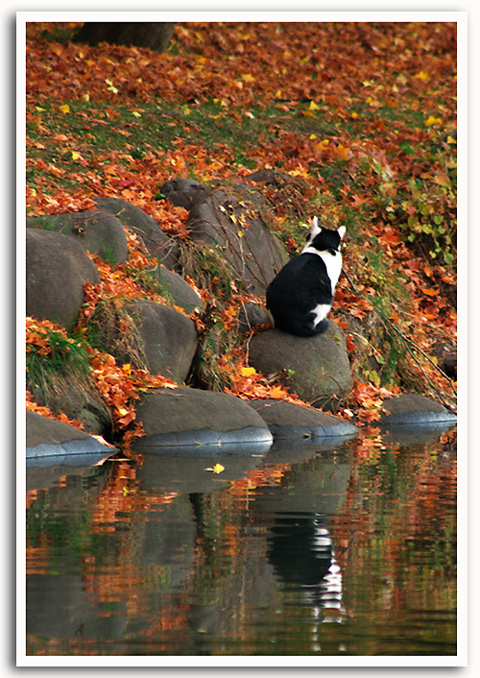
(301, 294)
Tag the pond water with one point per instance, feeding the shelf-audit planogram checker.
(314, 550)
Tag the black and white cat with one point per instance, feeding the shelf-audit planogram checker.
(301, 295)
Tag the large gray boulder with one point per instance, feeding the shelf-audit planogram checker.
(234, 229)
(97, 232)
(168, 339)
(318, 368)
(157, 243)
(186, 417)
(288, 420)
(48, 438)
(57, 269)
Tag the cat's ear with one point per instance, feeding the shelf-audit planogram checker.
(341, 231)
(316, 229)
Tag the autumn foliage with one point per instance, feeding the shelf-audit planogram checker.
(363, 115)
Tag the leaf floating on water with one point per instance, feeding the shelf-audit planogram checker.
(218, 468)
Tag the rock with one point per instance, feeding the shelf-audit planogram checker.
(234, 229)
(293, 194)
(250, 316)
(157, 243)
(57, 269)
(177, 288)
(97, 232)
(411, 409)
(168, 339)
(186, 417)
(288, 420)
(185, 192)
(76, 396)
(318, 367)
(48, 438)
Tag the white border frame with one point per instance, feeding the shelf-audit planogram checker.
(256, 661)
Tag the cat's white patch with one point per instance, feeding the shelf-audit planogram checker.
(321, 312)
(333, 263)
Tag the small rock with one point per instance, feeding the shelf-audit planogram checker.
(189, 417)
(168, 338)
(57, 269)
(288, 420)
(252, 315)
(157, 243)
(318, 367)
(179, 290)
(415, 409)
(185, 192)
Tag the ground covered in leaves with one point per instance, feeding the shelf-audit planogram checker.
(361, 115)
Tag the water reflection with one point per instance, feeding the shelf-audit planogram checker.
(244, 555)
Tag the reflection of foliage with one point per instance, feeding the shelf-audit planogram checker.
(400, 516)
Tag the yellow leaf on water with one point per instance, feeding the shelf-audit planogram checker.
(218, 468)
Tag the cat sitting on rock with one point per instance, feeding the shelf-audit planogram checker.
(301, 294)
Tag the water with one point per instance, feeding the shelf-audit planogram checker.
(311, 551)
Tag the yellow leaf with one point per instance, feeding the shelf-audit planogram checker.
(86, 97)
(136, 114)
(75, 155)
(313, 106)
(312, 136)
(247, 371)
(450, 140)
(278, 94)
(354, 115)
(431, 120)
(218, 468)
(65, 108)
(248, 77)
(422, 76)
(321, 146)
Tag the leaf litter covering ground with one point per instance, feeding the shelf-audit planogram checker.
(363, 114)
